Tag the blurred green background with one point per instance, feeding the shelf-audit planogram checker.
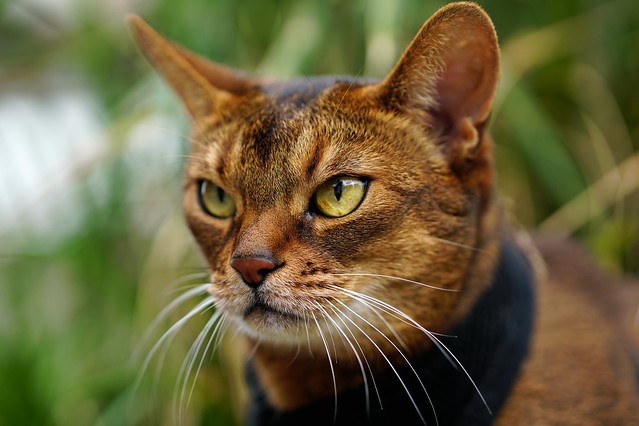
(92, 244)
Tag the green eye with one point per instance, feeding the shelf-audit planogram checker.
(214, 200)
(340, 196)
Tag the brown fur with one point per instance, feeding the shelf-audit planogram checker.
(580, 369)
(429, 215)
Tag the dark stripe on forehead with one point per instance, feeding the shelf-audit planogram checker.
(270, 162)
(262, 134)
(222, 156)
(314, 158)
(265, 170)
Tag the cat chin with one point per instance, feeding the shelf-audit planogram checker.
(271, 326)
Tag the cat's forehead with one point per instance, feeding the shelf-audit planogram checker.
(292, 137)
(262, 149)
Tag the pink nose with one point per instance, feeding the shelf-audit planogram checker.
(253, 270)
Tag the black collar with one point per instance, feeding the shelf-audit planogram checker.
(491, 344)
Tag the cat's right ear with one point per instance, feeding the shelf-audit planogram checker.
(447, 78)
(202, 84)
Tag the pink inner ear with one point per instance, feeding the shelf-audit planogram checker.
(466, 86)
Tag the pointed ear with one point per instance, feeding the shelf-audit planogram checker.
(448, 76)
(201, 84)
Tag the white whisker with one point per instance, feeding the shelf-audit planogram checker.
(368, 366)
(388, 325)
(297, 353)
(330, 362)
(164, 313)
(175, 285)
(455, 244)
(187, 365)
(220, 331)
(401, 354)
(218, 318)
(391, 277)
(466, 373)
(206, 303)
(308, 338)
(254, 349)
(432, 336)
(330, 333)
(361, 365)
(404, 317)
(389, 309)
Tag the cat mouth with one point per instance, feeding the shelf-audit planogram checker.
(262, 321)
(260, 309)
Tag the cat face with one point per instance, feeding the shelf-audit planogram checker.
(273, 157)
(336, 198)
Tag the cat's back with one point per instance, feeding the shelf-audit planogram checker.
(584, 361)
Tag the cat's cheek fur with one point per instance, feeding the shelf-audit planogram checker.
(210, 233)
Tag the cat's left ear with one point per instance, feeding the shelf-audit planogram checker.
(202, 85)
(447, 77)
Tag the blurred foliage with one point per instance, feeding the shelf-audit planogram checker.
(74, 306)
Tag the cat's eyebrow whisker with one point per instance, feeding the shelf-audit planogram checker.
(201, 131)
(391, 277)
(330, 362)
(172, 160)
(166, 129)
(310, 83)
(164, 313)
(189, 158)
(350, 85)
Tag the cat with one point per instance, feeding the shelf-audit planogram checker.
(356, 241)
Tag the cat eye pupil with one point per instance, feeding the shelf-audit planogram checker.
(337, 189)
(220, 194)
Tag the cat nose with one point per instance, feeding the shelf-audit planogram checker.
(253, 269)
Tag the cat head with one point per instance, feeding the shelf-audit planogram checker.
(328, 199)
